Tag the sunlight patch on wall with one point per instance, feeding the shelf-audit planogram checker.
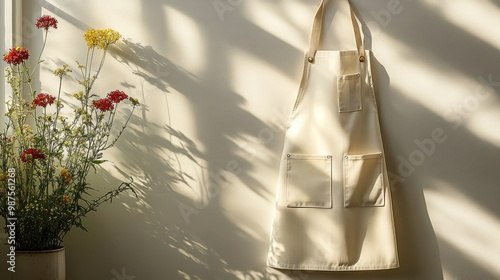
(459, 99)
(247, 207)
(421, 81)
(484, 124)
(96, 14)
(292, 23)
(480, 20)
(470, 228)
(447, 275)
(285, 22)
(190, 43)
(253, 79)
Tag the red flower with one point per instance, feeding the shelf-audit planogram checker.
(16, 56)
(31, 154)
(117, 96)
(103, 104)
(43, 99)
(46, 22)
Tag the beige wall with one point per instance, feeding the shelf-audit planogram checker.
(217, 79)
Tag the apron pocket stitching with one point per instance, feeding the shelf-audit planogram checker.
(349, 93)
(363, 180)
(309, 181)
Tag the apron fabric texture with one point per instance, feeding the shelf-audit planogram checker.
(333, 206)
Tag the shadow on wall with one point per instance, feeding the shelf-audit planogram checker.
(192, 250)
(459, 167)
(220, 119)
(158, 152)
(194, 239)
(178, 236)
(190, 244)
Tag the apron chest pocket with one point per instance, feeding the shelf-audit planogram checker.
(363, 180)
(349, 92)
(309, 181)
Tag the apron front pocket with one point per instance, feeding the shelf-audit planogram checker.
(363, 180)
(309, 181)
(349, 92)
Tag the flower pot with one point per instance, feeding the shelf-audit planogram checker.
(40, 265)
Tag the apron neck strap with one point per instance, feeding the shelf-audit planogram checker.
(316, 33)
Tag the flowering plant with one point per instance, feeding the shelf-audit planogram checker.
(47, 152)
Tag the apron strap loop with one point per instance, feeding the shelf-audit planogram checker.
(316, 33)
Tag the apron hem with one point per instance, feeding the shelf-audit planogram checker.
(332, 268)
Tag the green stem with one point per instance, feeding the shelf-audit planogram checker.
(41, 51)
(122, 130)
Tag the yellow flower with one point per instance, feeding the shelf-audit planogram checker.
(4, 176)
(134, 101)
(78, 95)
(63, 71)
(65, 198)
(101, 38)
(65, 175)
(27, 129)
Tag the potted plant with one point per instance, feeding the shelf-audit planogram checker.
(48, 146)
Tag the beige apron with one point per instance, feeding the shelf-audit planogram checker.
(333, 202)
